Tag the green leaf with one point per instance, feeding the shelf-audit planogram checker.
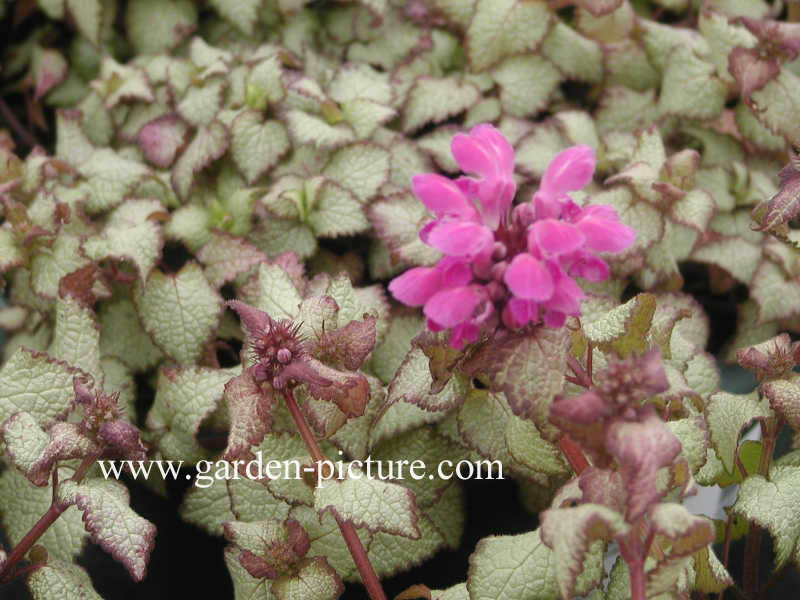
(209, 143)
(309, 129)
(76, 339)
(526, 445)
(11, 254)
(264, 83)
(276, 236)
(510, 567)
(179, 311)
(122, 336)
(112, 523)
(397, 220)
(526, 84)
(154, 27)
(771, 503)
(130, 234)
(622, 329)
(118, 83)
(315, 580)
(245, 586)
(24, 440)
(47, 268)
(243, 14)
(727, 415)
(500, 28)
(109, 178)
(257, 146)
(35, 383)
(184, 398)
(570, 532)
(361, 168)
(689, 88)
(23, 504)
(59, 580)
(529, 369)
(776, 102)
(371, 503)
(577, 57)
(212, 501)
(336, 212)
(424, 103)
(278, 297)
(711, 576)
(388, 356)
(226, 256)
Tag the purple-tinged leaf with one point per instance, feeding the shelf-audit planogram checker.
(642, 448)
(315, 580)
(111, 522)
(268, 548)
(349, 345)
(49, 69)
(772, 359)
(571, 532)
(774, 214)
(346, 389)
(162, 139)
(784, 398)
(751, 71)
(250, 412)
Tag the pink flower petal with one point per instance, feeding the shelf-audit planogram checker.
(567, 295)
(463, 333)
(523, 311)
(589, 267)
(416, 286)
(460, 238)
(554, 237)
(451, 307)
(473, 155)
(605, 235)
(527, 278)
(554, 319)
(442, 196)
(502, 150)
(455, 271)
(569, 170)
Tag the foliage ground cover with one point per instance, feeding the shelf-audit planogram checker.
(523, 232)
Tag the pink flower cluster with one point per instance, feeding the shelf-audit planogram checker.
(517, 263)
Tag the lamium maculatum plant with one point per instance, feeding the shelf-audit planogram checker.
(510, 285)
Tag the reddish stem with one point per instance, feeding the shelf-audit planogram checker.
(360, 558)
(44, 523)
(726, 549)
(25, 136)
(30, 538)
(580, 372)
(572, 453)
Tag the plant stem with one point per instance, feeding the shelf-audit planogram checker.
(43, 524)
(580, 372)
(360, 558)
(30, 538)
(752, 549)
(572, 453)
(726, 549)
(25, 136)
